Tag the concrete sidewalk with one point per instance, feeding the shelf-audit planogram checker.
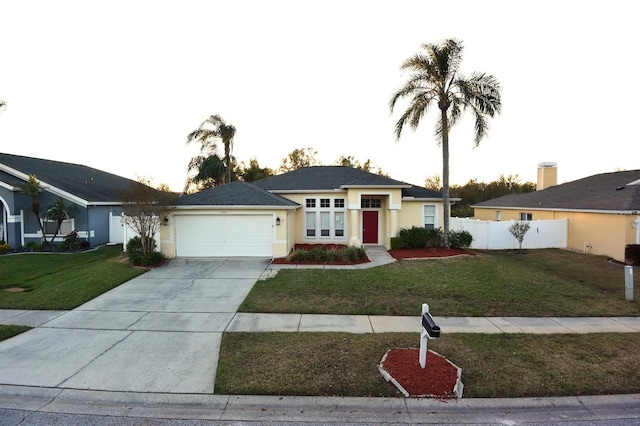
(259, 322)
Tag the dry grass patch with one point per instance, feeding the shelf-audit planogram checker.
(503, 365)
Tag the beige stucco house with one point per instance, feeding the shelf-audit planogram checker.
(603, 210)
(311, 205)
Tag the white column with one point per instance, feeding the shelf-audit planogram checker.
(354, 229)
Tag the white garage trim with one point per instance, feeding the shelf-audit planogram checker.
(224, 235)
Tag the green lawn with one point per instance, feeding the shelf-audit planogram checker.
(495, 283)
(493, 365)
(56, 281)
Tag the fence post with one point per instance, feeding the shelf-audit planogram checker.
(628, 283)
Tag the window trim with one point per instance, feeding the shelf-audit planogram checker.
(319, 211)
(435, 215)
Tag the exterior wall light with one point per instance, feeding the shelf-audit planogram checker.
(278, 221)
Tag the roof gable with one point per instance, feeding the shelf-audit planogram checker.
(326, 178)
(618, 191)
(89, 184)
(237, 193)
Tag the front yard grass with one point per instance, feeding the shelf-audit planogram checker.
(56, 281)
(493, 365)
(541, 283)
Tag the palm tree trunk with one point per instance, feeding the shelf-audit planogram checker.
(227, 160)
(445, 178)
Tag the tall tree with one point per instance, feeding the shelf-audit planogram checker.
(435, 80)
(205, 172)
(367, 166)
(254, 172)
(298, 158)
(212, 130)
(32, 188)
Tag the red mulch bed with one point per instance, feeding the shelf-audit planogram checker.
(437, 380)
(428, 252)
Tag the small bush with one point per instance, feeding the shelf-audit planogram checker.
(138, 258)
(298, 256)
(460, 239)
(71, 241)
(396, 243)
(33, 246)
(319, 254)
(354, 254)
(414, 237)
(434, 238)
(4, 247)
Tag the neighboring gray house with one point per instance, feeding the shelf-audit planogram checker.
(94, 193)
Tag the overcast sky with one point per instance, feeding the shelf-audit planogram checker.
(118, 85)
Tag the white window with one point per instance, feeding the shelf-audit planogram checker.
(370, 203)
(526, 216)
(311, 224)
(325, 224)
(339, 228)
(50, 227)
(429, 219)
(324, 221)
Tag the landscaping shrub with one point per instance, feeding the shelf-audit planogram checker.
(138, 258)
(396, 243)
(460, 239)
(354, 254)
(434, 238)
(298, 256)
(414, 237)
(4, 247)
(33, 246)
(321, 254)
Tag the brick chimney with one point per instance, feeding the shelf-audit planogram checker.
(547, 175)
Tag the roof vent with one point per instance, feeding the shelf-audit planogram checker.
(619, 188)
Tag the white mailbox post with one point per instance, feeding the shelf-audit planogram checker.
(430, 330)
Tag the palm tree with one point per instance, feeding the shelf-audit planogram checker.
(59, 211)
(211, 130)
(209, 172)
(435, 81)
(32, 188)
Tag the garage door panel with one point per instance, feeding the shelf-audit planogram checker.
(224, 235)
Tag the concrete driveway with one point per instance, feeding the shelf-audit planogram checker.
(159, 332)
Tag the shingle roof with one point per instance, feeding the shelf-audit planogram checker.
(236, 193)
(319, 178)
(330, 178)
(619, 191)
(91, 185)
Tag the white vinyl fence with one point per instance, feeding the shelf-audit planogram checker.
(121, 234)
(489, 235)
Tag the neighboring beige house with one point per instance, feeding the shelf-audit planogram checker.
(603, 210)
(311, 205)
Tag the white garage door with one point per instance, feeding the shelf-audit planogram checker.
(224, 235)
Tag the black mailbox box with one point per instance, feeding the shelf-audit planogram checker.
(433, 330)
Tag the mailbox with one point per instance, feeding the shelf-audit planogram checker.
(433, 329)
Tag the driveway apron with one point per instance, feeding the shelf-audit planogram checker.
(159, 332)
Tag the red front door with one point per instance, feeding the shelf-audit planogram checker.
(370, 227)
